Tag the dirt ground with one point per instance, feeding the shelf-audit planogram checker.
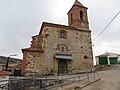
(110, 80)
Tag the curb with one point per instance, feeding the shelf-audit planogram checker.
(80, 87)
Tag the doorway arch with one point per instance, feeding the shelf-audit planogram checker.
(62, 66)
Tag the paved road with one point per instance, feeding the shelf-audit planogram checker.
(110, 80)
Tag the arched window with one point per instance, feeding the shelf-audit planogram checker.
(81, 15)
(62, 49)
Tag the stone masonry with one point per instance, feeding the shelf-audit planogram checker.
(60, 48)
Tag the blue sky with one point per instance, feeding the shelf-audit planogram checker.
(22, 19)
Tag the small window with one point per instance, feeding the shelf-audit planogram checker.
(85, 57)
(62, 35)
(81, 15)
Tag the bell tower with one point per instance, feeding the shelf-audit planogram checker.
(77, 16)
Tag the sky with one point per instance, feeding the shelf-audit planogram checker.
(22, 19)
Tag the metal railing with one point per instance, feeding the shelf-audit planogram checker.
(70, 79)
(47, 82)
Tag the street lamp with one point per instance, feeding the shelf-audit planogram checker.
(8, 60)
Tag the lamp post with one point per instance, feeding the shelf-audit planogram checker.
(8, 60)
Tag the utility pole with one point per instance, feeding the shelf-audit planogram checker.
(8, 61)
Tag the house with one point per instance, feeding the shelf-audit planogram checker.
(4, 77)
(107, 58)
(14, 64)
(60, 49)
(119, 58)
(2, 66)
(3, 60)
(15, 68)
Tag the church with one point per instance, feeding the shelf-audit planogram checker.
(59, 49)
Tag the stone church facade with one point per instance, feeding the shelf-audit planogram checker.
(59, 48)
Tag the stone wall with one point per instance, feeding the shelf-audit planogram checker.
(79, 46)
(32, 62)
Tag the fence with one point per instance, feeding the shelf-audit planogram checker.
(71, 79)
(47, 82)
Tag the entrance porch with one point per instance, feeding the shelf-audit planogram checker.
(64, 62)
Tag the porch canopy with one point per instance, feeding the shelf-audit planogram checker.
(67, 57)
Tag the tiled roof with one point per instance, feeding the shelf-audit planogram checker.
(77, 3)
(62, 26)
(5, 73)
(15, 65)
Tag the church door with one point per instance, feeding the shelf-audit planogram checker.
(62, 66)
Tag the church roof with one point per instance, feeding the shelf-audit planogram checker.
(62, 26)
(77, 3)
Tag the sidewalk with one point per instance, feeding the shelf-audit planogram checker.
(110, 80)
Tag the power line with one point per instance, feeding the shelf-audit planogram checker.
(106, 26)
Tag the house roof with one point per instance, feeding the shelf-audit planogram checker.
(5, 73)
(108, 54)
(62, 26)
(3, 60)
(15, 65)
